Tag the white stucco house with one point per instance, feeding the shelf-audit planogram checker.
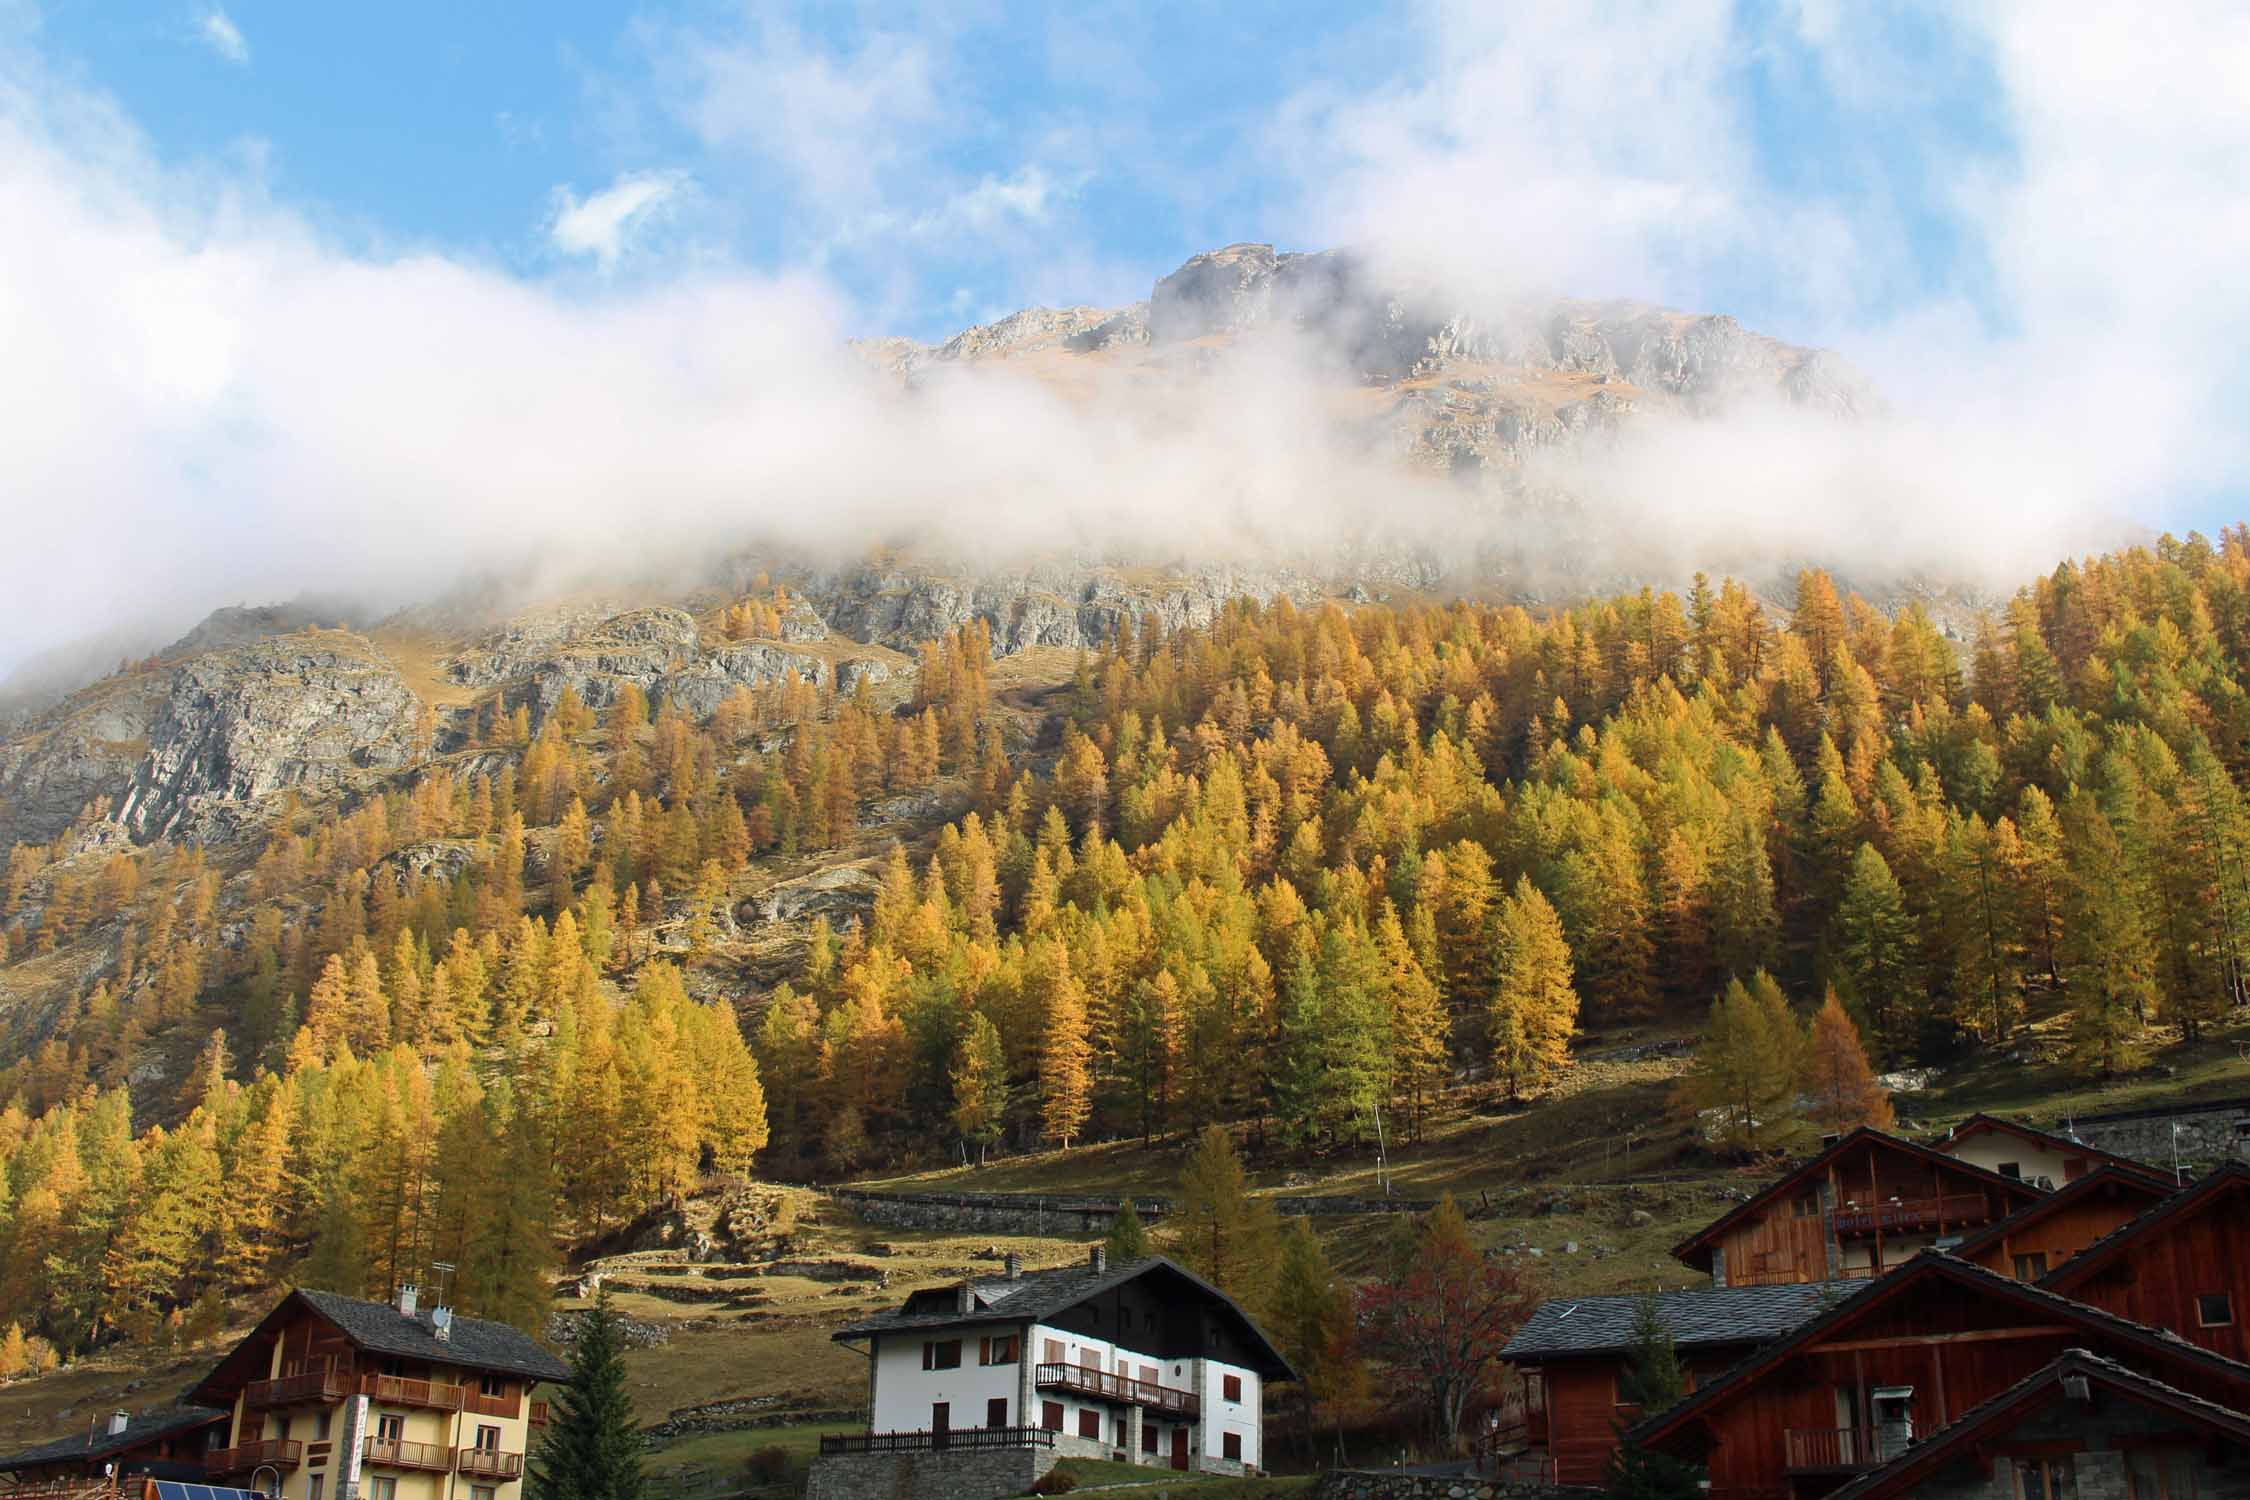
(1143, 1362)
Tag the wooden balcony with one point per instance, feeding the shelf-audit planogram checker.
(538, 1413)
(1126, 1391)
(397, 1453)
(281, 1453)
(393, 1390)
(490, 1463)
(491, 1406)
(1953, 1210)
(316, 1387)
(1831, 1449)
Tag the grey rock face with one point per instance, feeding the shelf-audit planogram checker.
(1059, 605)
(83, 750)
(235, 727)
(188, 749)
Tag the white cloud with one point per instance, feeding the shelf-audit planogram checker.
(216, 30)
(606, 223)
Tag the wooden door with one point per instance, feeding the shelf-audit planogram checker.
(941, 1422)
(1179, 1448)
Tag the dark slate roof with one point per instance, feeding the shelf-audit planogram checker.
(1697, 1316)
(1036, 1295)
(1936, 1448)
(475, 1343)
(1934, 1263)
(147, 1427)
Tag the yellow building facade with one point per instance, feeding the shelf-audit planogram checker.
(338, 1398)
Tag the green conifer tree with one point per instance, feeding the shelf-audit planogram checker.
(593, 1446)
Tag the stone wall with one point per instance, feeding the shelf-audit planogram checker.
(1055, 1214)
(982, 1474)
(1377, 1484)
(2208, 1133)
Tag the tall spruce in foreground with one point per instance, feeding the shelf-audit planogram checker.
(1652, 1383)
(593, 1447)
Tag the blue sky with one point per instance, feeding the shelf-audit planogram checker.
(476, 272)
(1107, 142)
(1130, 135)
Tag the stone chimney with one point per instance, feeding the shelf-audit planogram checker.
(1098, 1257)
(117, 1422)
(406, 1295)
(964, 1298)
(1015, 1266)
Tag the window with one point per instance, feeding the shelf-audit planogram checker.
(1054, 1354)
(281, 1429)
(493, 1385)
(1149, 1373)
(2031, 1267)
(1090, 1425)
(389, 1429)
(996, 1412)
(1808, 1206)
(320, 1426)
(1050, 1415)
(1230, 1446)
(2214, 1309)
(1231, 1387)
(314, 1485)
(941, 1354)
(488, 1439)
(2010, 1169)
(1148, 1436)
(2043, 1479)
(483, 1492)
(1003, 1350)
(386, 1488)
(1117, 1432)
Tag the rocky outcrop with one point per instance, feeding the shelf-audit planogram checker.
(310, 712)
(189, 749)
(1061, 604)
(536, 658)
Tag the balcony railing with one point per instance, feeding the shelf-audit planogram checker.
(490, 1463)
(1913, 1213)
(538, 1413)
(1103, 1386)
(282, 1453)
(398, 1453)
(491, 1406)
(1826, 1448)
(923, 1442)
(394, 1390)
(321, 1386)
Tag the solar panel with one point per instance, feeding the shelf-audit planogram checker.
(174, 1489)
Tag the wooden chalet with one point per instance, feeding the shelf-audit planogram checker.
(2079, 1426)
(1901, 1360)
(2183, 1265)
(168, 1443)
(2014, 1149)
(1571, 1355)
(2040, 1236)
(1869, 1202)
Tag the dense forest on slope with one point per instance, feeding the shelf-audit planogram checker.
(1290, 869)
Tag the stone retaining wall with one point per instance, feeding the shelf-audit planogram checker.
(1377, 1484)
(986, 1474)
(1054, 1214)
(2207, 1133)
